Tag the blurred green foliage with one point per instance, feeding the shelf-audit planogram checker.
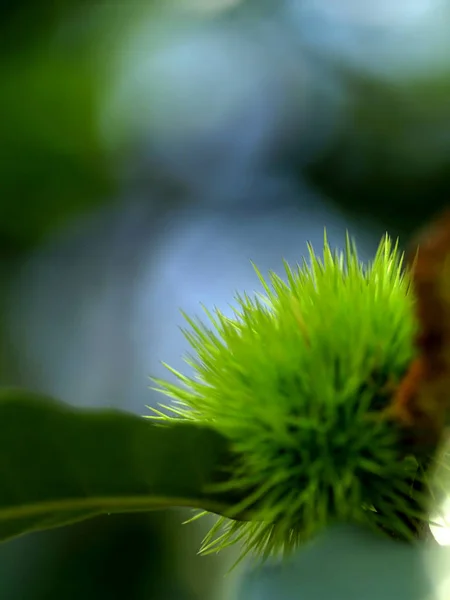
(52, 161)
(52, 164)
(389, 159)
(23, 23)
(121, 557)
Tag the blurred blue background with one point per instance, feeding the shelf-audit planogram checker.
(148, 152)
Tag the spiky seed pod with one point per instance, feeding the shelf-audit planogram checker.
(296, 380)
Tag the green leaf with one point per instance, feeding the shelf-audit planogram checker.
(59, 465)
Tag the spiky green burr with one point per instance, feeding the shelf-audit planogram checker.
(296, 380)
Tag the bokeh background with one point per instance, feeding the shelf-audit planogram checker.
(149, 151)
